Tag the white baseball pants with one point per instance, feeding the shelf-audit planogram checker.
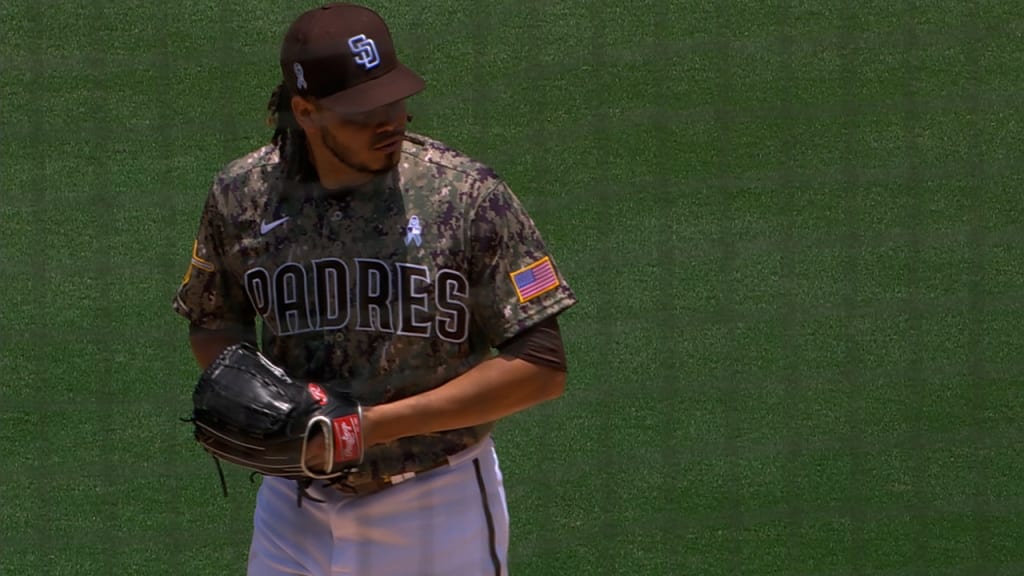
(451, 521)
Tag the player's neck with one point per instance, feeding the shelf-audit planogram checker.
(334, 181)
(336, 176)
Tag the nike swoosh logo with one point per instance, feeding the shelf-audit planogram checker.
(268, 226)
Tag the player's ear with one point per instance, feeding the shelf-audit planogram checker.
(304, 112)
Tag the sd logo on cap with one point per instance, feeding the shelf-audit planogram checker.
(343, 55)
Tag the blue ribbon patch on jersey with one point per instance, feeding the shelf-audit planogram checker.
(535, 279)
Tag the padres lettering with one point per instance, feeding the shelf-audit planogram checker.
(398, 299)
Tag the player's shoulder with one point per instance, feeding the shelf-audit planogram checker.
(247, 180)
(429, 162)
(251, 172)
(262, 157)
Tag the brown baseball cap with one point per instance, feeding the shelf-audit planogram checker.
(342, 54)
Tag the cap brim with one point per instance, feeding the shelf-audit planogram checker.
(396, 85)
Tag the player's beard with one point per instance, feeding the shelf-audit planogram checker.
(346, 157)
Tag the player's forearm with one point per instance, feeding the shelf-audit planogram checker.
(208, 344)
(494, 389)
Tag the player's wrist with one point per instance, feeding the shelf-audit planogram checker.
(384, 423)
(372, 430)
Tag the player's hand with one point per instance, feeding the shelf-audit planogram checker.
(316, 456)
(318, 460)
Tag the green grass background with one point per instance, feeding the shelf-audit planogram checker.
(794, 228)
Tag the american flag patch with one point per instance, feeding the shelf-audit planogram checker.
(535, 279)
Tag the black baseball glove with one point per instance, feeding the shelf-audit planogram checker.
(249, 412)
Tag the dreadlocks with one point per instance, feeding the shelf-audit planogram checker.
(288, 136)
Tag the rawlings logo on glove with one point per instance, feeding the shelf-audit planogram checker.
(249, 412)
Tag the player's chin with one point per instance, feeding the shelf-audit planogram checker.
(386, 160)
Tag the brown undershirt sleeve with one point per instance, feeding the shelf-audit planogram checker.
(541, 344)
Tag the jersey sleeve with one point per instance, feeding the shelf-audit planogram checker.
(209, 295)
(514, 278)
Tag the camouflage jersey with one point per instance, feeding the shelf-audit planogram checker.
(389, 289)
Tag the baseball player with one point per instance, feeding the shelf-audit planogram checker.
(393, 265)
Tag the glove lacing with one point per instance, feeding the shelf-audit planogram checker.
(301, 491)
(302, 485)
(220, 472)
